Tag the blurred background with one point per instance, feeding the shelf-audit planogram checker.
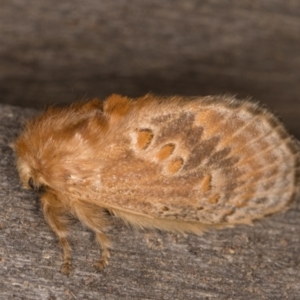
(61, 51)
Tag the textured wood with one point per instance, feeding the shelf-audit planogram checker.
(53, 51)
(246, 262)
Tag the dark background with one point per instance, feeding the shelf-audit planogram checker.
(58, 51)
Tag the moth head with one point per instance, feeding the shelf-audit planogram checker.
(57, 146)
(29, 172)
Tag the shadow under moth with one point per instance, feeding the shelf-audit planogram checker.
(181, 164)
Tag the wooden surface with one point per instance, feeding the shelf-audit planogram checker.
(245, 262)
(52, 52)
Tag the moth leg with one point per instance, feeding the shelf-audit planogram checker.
(105, 245)
(56, 216)
(95, 218)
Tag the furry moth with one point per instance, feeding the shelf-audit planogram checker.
(177, 164)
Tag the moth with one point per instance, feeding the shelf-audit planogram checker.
(180, 164)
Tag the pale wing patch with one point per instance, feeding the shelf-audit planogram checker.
(165, 152)
(175, 165)
(144, 138)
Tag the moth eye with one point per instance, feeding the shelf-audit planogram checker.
(30, 183)
(39, 188)
(42, 189)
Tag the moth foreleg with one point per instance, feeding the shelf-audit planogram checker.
(56, 216)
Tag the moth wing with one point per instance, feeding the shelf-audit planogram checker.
(206, 160)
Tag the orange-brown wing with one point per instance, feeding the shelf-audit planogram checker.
(210, 160)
